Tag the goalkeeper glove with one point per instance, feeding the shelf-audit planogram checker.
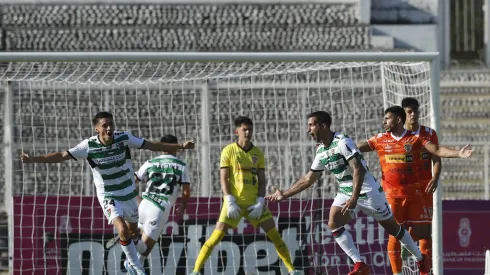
(232, 207)
(255, 211)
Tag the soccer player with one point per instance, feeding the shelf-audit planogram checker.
(358, 190)
(429, 168)
(242, 177)
(108, 154)
(398, 149)
(164, 176)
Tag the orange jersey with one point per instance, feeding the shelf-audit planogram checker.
(397, 157)
(424, 160)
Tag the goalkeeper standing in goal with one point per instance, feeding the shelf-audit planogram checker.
(358, 190)
(242, 177)
(108, 154)
(164, 176)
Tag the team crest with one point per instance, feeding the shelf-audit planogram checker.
(408, 147)
(255, 159)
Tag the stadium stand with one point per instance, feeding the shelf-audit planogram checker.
(211, 27)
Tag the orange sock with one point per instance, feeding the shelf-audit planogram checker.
(394, 252)
(426, 247)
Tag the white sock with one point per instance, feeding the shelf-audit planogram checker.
(347, 244)
(410, 245)
(131, 254)
(142, 259)
(140, 246)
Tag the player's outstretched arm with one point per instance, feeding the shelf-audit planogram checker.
(445, 152)
(303, 183)
(49, 158)
(358, 173)
(364, 146)
(162, 146)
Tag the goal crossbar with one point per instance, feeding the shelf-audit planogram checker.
(214, 57)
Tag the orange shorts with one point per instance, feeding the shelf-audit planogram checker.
(410, 210)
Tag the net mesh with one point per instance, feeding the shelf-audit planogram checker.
(59, 224)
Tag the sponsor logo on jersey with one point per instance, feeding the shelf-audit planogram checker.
(424, 155)
(255, 159)
(399, 158)
(407, 147)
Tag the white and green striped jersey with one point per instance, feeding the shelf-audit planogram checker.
(335, 157)
(163, 176)
(111, 164)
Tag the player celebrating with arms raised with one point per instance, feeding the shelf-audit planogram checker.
(358, 190)
(397, 150)
(242, 177)
(108, 154)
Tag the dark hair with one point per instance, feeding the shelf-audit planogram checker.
(243, 120)
(169, 139)
(101, 115)
(321, 117)
(410, 102)
(397, 111)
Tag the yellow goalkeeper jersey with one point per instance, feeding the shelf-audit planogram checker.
(243, 166)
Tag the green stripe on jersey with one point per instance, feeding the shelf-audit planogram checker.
(348, 191)
(167, 160)
(346, 178)
(121, 138)
(340, 169)
(153, 198)
(117, 187)
(115, 175)
(108, 153)
(112, 164)
(122, 198)
(93, 144)
(166, 170)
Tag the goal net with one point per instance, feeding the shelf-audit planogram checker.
(57, 224)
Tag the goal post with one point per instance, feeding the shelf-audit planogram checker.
(221, 81)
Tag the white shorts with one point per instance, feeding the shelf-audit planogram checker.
(374, 205)
(152, 218)
(128, 210)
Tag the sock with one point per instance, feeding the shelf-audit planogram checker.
(394, 253)
(407, 241)
(344, 239)
(140, 246)
(426, 247)
(207, 249)
(142, 259)
(281, 248)
(131, 254)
